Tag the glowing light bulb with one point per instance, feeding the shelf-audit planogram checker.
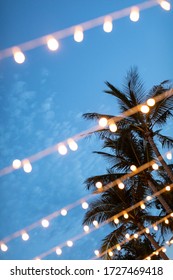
(98, 185)
(169, 155)
(103, 122)
(135, 235)
(171, 241)
(27, 167)
(16, 164)
(52, 44)
(118, 247)
(95, 223)
(63, 212)
(148, 198)
(151, 102)
(148, 258)
(62, 149)
(58, 251)
(4, 247)
(145, 109)
(164, 250)
(113, 127)
(108, 26)
(167, 242)
(72, 144)
(134, 14)
(45, 223)
(116, 221)
(69, 243)
(127, 235)
(155, 228)
(142, 206)
(165, 5)
(126, 216)
(96, 252)
(156, 253)
(167, 221)
(168, 188)
(121, 186)
(85, 205)
(25, 236)
(19, 57)
(78, 34)
(133, 167)
(147, 230)
(155, 166)
(171, 215)
(86, 228)
(110, 254)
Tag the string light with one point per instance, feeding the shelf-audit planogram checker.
(126, 215)
(103, 122)
(63, 212)
(169, 155)
(167, 221)
(118, 247)
(155, 166)
(16, 164)
(86, 228)
(127, 236)
(98, 185)
(151, 102)
(72, 144)
(19, 56)
(168, 188)
(85, 205)
(78, 34)
(116, 221)
(69, 243)
(52, 44)
(142, 206)
(147, 230)
(58, 251)
(148, 198)
(45, 223)
(111, 254)
(108, 26)
(155, 228)
(121, 186)
(96, 252)
(145, 109)
(4, 247)
(133, 167)
(62, 149)
(25, 236)
(135, 235)
(134, 14)
(165, 5)
(113, 127)
(27, 167)
(95, 223)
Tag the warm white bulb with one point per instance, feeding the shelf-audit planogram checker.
(98, 185)
(171, 214)
(135, 235)
(133, 167)
(148, 198)
(63, 212)
(167, 221)
(69, 243)
(168, 188)
(58, 251)
(164, 250)
(72, 144)
(121, 186)
(86, 228)
(4, 247)
(45, 223)
(19, 57)
(85, 205)
(27, 167)
(126, 216)
(78, 34)
(108, 26)
(165, 5)
(116, 221)
(96, 252)
(25, 236)
(155, 228)
(111, 254)
(155, 166)
(95, 223)
(118, 247)
(127, 235)
(103, 122)
(16, 164)
(52, 44)
(134, 14)
(169, 155)
(145, 109)
(142, 206)
(113, 127)
(147, 230)
(151, 102)
(62, 149)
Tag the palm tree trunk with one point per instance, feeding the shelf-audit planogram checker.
(153, 242)
(160, 198)
(160, 158)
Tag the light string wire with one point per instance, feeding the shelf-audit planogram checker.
(70, 30)
(77, 137)
(133, 237)
(78, 202)
(118, 215)
(156, 252)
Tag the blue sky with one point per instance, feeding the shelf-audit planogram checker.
(42, 102)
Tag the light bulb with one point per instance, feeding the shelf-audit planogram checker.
(19, 57)
(111, 254)
(164, 250)
(155, 228)
(78, 34)
(27, 167)
(134, 14)
(155, 166)
(62, 149)
(165, 5)
(86, 228)
(69, 243)
(168, 188)
(151, 102)
(108, 26)
(63, 212)
(147, 230)
(167, 221)
(148, 198)
(171, 214)
(145, 109)
(72, 144)
(133, 167)
(103, 122)
(25, 236)
(98, 185)
(127, 235)
(58, 251)
(126, 216)
(95, 223)
(85, 205)
(16, 164)
(52, 44)
(4, 247)
(121, 186)
(116, 221)
(135, 235)
(118, 247)
(142, 206)
(45, 223)
(113, 127)
(96, 252)
(169, 155)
